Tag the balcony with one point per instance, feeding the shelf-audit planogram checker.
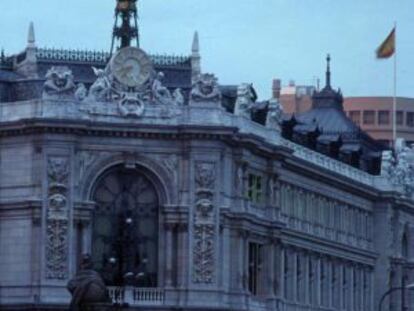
(137, 296)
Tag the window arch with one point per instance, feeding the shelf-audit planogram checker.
(125, 228)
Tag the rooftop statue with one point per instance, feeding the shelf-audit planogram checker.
(244, 101)
(274, 114)
(399, 167)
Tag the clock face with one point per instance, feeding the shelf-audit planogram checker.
(131, 67)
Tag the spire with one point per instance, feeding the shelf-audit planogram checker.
(31, 39)
(126, 24)
(196, 44)
(195, 58)
(328, 71)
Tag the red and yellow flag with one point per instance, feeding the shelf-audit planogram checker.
(387, 48)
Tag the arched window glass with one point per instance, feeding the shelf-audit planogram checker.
(125, 228)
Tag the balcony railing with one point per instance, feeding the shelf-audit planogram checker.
(137, 296)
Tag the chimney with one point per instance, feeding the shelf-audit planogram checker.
(276, 87)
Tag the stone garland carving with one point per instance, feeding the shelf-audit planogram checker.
(57, 219)
(204, 228)
(398, 167)
(59, 83)
(206, 89)
(244, 101)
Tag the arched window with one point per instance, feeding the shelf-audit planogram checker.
(125, 228)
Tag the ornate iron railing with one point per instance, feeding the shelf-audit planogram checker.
(103, 57)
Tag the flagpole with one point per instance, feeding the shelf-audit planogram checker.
(394, 100)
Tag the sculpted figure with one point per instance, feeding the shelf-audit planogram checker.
(59, 82)
(178, 97)
(244, 101)
(274, 114)
(400, 169)
(81, 92)
(159, 91)
(101, 88)
(87, 287)
(206, 89)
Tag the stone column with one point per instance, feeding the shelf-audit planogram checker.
(86, 237)
(182, 262)
(306, 279)
(281, 270)
(318, 280)
(329, 286)
(168, 253)
(242, 261)
(351, 287)
(271, 264)
(294, 275)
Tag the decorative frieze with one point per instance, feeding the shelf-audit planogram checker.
(57, 218)
(204, 227)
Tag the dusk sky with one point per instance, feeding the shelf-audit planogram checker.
(241, 40)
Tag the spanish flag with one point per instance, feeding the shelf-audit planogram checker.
(387, 48)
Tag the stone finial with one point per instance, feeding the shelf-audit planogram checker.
(31, 39)
(196, 44)
(195, 58)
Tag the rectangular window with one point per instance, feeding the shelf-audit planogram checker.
(254, 191)
(383, 117)
(400, 117)
(355, 116)
(255, 267)
(410, 119)
(369, 117)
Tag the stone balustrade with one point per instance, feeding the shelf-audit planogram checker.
(135, 296)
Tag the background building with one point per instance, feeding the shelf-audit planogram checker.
(373, 114)
(188, 199)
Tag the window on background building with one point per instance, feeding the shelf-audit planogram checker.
(383, 117)
(410, 119)
(355, 116)
(369, 117)
(255, 267)
(254, 191)
(400, 117)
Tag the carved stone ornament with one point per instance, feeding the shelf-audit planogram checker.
(274, 114)
(130, 81)
(57, 249)
(57, 218)
(205, 175)
(59, 83)
(81, 92)
(399, 168)
(131, 105)
(57, 171)
(206, 88)
(204, 228)
(244, 101)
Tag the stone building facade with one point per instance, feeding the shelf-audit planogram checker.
(181, 203)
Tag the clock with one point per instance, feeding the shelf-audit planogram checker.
(131, 67)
